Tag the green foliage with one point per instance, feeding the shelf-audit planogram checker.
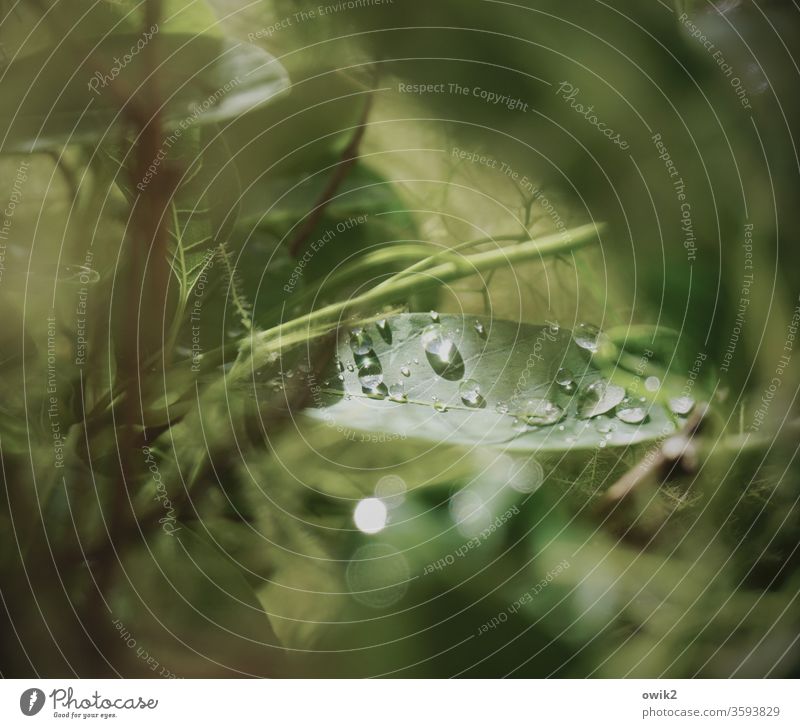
(217, 275)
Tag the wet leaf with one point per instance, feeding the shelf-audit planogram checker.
(515, 368)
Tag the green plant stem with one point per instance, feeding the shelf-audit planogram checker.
(264, 344)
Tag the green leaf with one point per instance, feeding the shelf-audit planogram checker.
(201, 79)
(470, 380)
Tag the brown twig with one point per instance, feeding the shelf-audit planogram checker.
(647, 469)
(348, 159)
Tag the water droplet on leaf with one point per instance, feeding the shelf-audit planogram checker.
(443, 356)
(587, 336)
(360, 342)
(470, 392)
(681, 405)
(542, 412)
(598, 398)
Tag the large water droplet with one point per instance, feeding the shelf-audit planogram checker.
(566, 381)
(542, 412)
(370, 373)
(470, 392)
(384, 330)
(631, 412)
(598, 398)
(681, 405)
(360, 342)
(587, 336)
(443, 356)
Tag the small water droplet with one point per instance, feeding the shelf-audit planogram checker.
(681, 405)
(542, 412)
(561, 428)
(630, 413)
(598, 398)
(416, 361)
(587, 336)
(554, 327)
(360, 342)
(439, 406)
(405, 371)
(602, 443)
(470, 392)
(480, 329)
(651, 384)
(340, 377)
(501, 408)
(397, 392)
(339, 365)
(350, 368)
(435, 316)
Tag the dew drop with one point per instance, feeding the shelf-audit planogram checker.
(405, 371)
(566, 381)
(339, 365)
(370, 373)
(360, 342)
(587, 336)
(542, 412)
(480, 329)
(435, 316)
(397, 392)
(599, 398)
(443, 356)
(470, 392)
(350, 368)
(384, 330)
(630, 413)
(439, 406)
(651, 384)
(681, 405)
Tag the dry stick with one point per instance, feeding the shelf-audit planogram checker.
(348, 159)
(646, 469)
